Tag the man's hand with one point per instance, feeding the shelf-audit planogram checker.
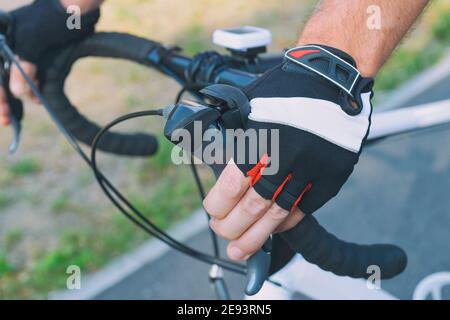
(19, 88)
(308, 125)
(246, 211)
(241, 215)
(37, 28)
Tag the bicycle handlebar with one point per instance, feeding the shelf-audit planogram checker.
(342, 258)
(308, 238)
(56, 68)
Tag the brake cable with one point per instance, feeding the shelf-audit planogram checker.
(111, 191)
(145, 224)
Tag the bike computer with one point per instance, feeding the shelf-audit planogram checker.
(242, 38)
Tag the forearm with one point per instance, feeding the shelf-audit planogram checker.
(345, 25)
(85, 5)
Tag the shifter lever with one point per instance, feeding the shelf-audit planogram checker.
(16, 114)
(228, 109)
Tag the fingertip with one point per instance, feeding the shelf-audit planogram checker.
(235, 253)
(294, 218)
(299, 213)
(5, 120)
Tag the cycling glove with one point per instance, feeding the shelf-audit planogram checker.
(318, 106)
(45, 25)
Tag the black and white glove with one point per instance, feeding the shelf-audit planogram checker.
(319, 105)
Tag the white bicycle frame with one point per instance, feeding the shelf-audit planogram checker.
(393, 122)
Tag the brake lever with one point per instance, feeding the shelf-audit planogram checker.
(15, 105)
(16, 114)
(227, 108)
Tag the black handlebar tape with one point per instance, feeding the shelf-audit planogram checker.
(342, 258)
(55, 69)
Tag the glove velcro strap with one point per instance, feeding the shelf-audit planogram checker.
(327, 65)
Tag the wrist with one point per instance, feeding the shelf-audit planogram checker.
(336, 67)
(367, 66)
(84, 5)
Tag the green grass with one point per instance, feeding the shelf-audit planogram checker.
(50, 270)
(405, 63)
(173, 198)
(61, 203)
(12, 238)
(5, 266)
(441, 27)
(25, 167)
(84, 179)
(162, 159)
(194, 40)
(409, 61)
(64, 203)
(4, 201)
(88, 249)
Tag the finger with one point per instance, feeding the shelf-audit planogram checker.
(31, 94)
(17, 83)
(4, 108)
(294, 217)
(247, 211)
(254, 238)
(226, 193)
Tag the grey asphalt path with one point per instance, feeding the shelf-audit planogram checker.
(174, 276)
(399, 193)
